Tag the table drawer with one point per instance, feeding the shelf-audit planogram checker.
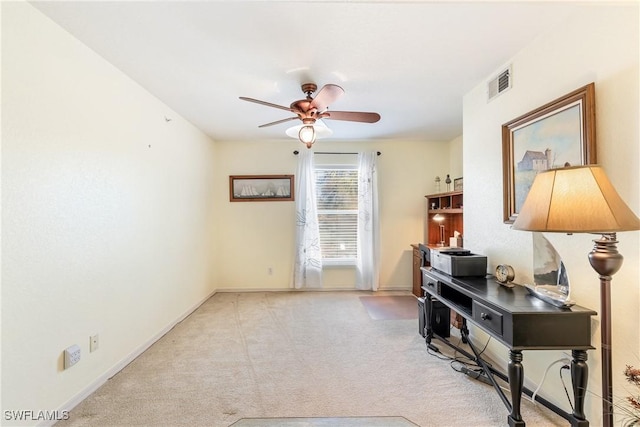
(487, 317)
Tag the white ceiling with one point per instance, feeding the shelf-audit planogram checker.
(410, 61)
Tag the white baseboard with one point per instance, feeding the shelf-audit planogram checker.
(241, 290)
(397, 288)
(102, 379)
(336, 289)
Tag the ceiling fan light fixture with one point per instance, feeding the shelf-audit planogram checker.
(307, 135)
(321, 129)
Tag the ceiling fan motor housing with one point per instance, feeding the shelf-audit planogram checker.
(309, 88)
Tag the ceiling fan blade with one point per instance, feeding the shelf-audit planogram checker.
(326, 96)
(278, 122)
(352, 116)
(268, 104)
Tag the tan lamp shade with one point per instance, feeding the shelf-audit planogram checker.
(577, 199)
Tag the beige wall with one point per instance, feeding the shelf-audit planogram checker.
(107, 214)
(599, 46)
(256, 236)
(455, 158)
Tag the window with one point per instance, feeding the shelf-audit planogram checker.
(337, 199)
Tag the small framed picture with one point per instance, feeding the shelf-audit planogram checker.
(457, 184)
(260, 188)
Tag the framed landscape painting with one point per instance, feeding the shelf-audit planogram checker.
(558, 134)
(260, 188)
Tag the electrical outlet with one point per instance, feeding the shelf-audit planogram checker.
(71, 356)
(270, 271)
(93, 343)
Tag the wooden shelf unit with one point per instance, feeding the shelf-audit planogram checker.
(450, 206)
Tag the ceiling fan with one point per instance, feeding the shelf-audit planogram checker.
(310, 109)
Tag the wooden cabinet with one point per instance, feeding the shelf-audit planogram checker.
(443, 209)
(417, 273)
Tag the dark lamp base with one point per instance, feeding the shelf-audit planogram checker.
(606, 261)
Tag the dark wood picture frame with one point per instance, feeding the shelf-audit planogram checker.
(560, 133)
(261, 188)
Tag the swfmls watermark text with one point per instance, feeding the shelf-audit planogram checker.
(31, 415)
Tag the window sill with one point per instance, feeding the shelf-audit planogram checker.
(339, 264)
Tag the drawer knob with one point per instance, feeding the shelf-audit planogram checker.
(485, 316)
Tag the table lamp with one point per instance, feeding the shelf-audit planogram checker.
(581, 199)
(439, 218)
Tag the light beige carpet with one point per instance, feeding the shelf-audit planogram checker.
(292, 354)
(391, 307)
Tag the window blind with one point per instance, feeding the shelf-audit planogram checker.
(337, 200)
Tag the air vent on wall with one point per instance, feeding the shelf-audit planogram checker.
(499, 84)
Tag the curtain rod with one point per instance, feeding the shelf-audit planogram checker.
(296, 152)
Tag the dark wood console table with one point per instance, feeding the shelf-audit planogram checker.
(520, 322)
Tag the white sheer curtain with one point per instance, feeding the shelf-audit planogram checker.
(308, 263)
(368, 266)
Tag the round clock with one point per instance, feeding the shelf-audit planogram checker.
(504, 273)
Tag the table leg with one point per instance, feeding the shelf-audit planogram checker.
(579, 378)
(516, 380)
(464, 331)
(428, 327)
